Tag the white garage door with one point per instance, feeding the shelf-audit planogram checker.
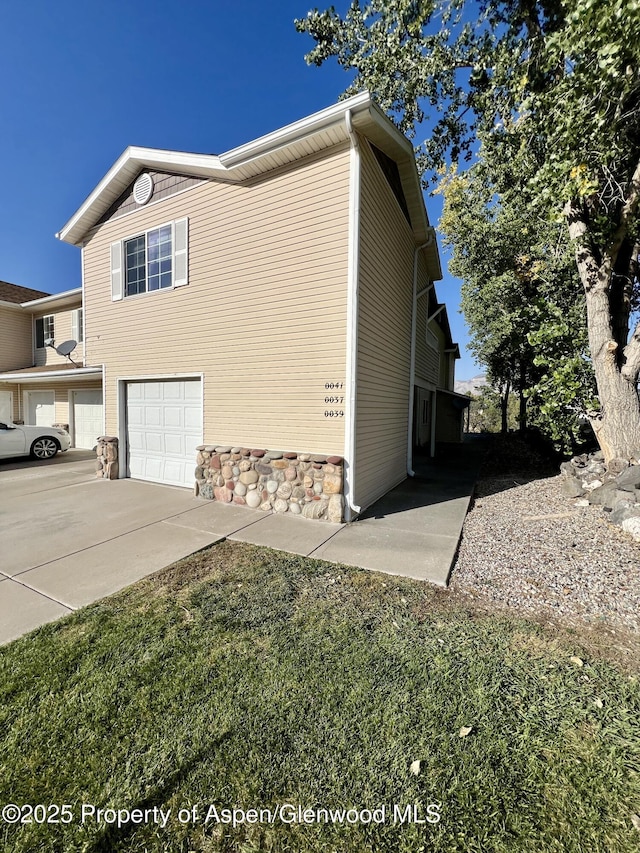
(87, 418)
(164, 427)
(5, 407)
(41, 410)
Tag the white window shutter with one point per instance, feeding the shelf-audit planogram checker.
(116, 271)
(180, 252)
(75, 325)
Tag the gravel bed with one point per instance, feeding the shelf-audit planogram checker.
(527, 546)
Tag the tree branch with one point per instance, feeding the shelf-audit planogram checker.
(628, 210)
(587, 263)
(631, 368)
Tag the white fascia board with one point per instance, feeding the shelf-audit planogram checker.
(228, 166)
(297, 131)
(45, 301)
(16, 305)
(375, 119)
(22, 377)
(120, 175)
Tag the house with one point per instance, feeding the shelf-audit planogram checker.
(38, 385)
(268, 316)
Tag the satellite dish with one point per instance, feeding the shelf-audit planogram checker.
(66, 348)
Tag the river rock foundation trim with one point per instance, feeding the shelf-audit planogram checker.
(302, 484)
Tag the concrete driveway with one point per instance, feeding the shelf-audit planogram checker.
(68, 539)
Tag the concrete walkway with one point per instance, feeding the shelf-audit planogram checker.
(67, 539)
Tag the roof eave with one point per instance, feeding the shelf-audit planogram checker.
(47, 301)
(66, 373)
(253, 158)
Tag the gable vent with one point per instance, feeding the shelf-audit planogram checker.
(143, 188)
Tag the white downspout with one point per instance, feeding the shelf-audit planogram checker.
(412, 367)
(350, 508)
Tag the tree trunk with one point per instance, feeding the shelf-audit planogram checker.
(522, 413)
(617, 425)
(504, 405)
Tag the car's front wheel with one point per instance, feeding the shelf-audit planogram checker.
(44, 448)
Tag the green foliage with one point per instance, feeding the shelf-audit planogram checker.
(565, 391)
(522, 301)
(556, 83)
(485, 412)
(543, 99)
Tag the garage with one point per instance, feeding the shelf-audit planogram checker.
(87, 418)
(40, 408)
(164, 428)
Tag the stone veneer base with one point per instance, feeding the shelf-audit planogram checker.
(302, 484)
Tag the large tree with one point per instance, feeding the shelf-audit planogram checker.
(523, 303)
(553, 88)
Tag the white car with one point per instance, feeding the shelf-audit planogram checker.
(39, 442)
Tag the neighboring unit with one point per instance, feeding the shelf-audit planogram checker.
(268, 318)
(38, 385)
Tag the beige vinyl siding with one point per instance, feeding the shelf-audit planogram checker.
(16, 350)
(263, 316)
(384, 337)
(427, 361)
(63, 331)
(426, 364)
(443, 374)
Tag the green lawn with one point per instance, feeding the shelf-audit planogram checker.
(245, 678)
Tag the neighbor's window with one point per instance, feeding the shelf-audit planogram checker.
(77, 331)
(149, 261)
(44, 330)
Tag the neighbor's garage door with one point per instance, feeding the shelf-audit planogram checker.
(87, 418)
(164, 427)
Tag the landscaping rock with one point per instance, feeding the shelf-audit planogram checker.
(567, 469)
(603, 495)
(622, 511)
(617, 465)
(632, 526)
(629, 477)
(572, 487)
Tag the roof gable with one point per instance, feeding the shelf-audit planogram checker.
(164, 185)
(311, 135)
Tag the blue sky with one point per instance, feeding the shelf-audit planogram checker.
(82, 80)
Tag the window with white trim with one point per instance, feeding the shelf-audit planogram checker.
(44, 330)
(156, 259)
